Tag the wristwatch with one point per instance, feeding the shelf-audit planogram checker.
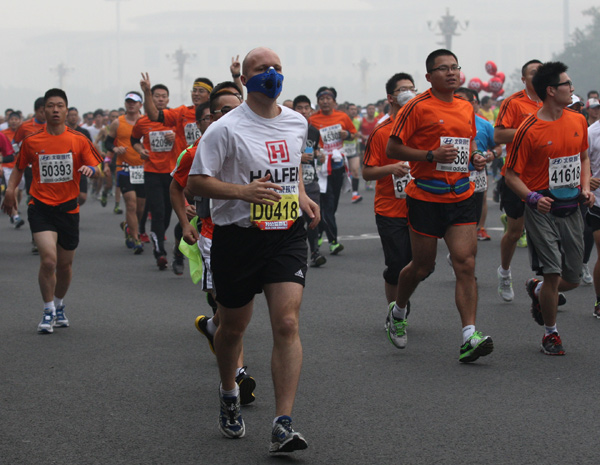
(429, 156)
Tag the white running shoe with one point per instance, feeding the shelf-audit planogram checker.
(505, 288)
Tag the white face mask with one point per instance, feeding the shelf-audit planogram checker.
(403, 97)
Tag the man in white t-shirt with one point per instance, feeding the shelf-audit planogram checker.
(248, 163)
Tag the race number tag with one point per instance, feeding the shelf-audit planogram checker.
(192, 133)
(56, 168)
(400, 184)
(308, 173)
(280, 215)
(159, 142)
(480, 180)
(461, 162)
(564, 172)
(332, 137)
(350, 149)
(136, 174)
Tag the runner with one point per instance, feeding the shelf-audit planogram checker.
(440, 197)
(72, 122)
(159, 160)
(549, 169)
(392, 177)
(513, 111)
(334, 127)
(130, 169)
(110, 165)
(250, 164)
(59, 156)
(8, 163)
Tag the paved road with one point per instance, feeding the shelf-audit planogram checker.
(132, 382)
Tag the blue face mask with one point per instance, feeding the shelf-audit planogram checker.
(269, 83)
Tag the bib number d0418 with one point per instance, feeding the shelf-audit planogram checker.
(280, 215)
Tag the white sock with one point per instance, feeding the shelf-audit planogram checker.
(211, 327)
(355, 193)
(504, 273)
(538, 289)
(399, 313)
(468, 331)
(233, 393)
(16, 217)
(550, 330)
(49, 306)
(58, 302)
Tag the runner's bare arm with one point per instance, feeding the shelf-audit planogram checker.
(504, 135)
(398, 151)
(513, 181)
(236, 73)
(307, 205)
(373, 173)
(149, 107)
(259, 191)
(585, 179)
(190, 234)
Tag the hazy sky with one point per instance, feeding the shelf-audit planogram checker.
(40, 34)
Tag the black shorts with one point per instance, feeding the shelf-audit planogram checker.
(592, 218)
(125, 185)
(83, 184)
(434, 218)
(243, 260)
(66, 225)
(479, 200)
(510, 202)
(395, 239)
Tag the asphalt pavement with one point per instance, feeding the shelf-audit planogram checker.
(133, 382)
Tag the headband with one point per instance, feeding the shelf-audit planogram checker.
(203, 85)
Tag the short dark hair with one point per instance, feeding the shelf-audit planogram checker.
(159, 86)
(55, 93)
(485, 99)
(225, 85)
(15, 114)
(200, 109)
(547, 75)
(205, 81)
(440, 52)
(330, 89)
(222, 89)
(300, 99)
(39, 103)
(469, 92)
(592, 92)
(530, 62)
(391, 84)
(99, 112)
(72, 109)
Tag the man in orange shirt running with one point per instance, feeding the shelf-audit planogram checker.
(549, 169)
(59, 156)
(434, 131)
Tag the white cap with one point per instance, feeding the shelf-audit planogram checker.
(574, 100)
(592, 103)
(132, 96)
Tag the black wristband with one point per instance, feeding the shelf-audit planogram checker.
(235, 76)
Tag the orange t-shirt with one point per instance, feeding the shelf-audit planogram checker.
(161, 160)
(513, 111)
(422, 124)
(55, 161)
(29, 126)
(386, 203)
(183, 119)
(321, 121)
(538, 141)
(10, 134)
(123, 139)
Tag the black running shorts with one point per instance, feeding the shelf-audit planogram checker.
(66, 225)
(434, 218)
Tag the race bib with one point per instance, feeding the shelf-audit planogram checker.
(461, 162)
(400, 184)
(159, 142)
(564, 172)
(56, 168)
(280, 215)
(308, 173)
(136, 174)
(192, 133)
(480, 180)
(350, 149)
(332, 138)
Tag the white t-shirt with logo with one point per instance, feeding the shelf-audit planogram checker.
(241, 147)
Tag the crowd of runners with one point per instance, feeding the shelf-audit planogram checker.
(251, 182)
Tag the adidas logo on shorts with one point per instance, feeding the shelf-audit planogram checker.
(299, 274)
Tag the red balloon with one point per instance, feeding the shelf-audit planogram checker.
(495, 95)
(491, 68)
(463, 78)
(475, 84)
(485, 86)
(501, 76)
(495, 84)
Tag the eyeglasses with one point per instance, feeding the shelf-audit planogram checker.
(569, 83)
(445, 69)
(405, 89)
(224, 110)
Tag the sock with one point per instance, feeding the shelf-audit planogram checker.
(276, 419)
(399, 313)
(16, 217)
(239, 370)
(355, 185)
(550, 330)
(233, 393)
(211, 327)
(58, 302)
(538, 288)
(49, 306)
(504, 273)
(468, 331)
(354, 193)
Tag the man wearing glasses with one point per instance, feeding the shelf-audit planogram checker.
(549, 169)
(434, 132)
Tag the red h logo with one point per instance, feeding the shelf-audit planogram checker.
(278, 151)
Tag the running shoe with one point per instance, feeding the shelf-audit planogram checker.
(552, 345)
(320, 240)
(482, 235)
(504, 221)
(138, 247)
(396, 329)
(129, 241)
(61, 320)
(536, 312)
(177, 265)
(505, 288)
(317, 260)
(162, 263)
(475, 347)
(335, 248)
(522, 242)
(586, 276)
(103, 199)
(201, 325)
(117, 210)
(144, 238)
(34, 249)
(231, 423)
(284, 438)
(19, 222)
(356, 198)
(46, 326)
(597, 310)
(247, 385)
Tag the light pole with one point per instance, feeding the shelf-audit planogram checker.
(180, 57)
(448, 26)
(62, 71)
(118, 38)
(364, 65)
